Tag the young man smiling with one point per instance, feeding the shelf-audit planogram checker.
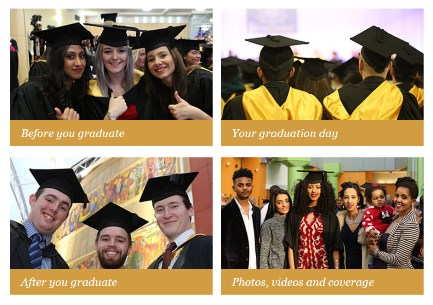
(173, 213)
(31, 246)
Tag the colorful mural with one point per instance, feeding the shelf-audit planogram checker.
(127, 184)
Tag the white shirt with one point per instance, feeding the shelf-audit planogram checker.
(179, 241)
(249, 226)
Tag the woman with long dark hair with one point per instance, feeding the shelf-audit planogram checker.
(178, 93)
(59, 93)
(313, 235)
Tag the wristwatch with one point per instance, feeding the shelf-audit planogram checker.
(111, 116)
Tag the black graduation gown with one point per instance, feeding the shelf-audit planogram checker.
(353, 95)
(331, 235)
(195, 254)
(234, 238)
(406, 87)
(94, 107)
(234, 109)
(14, 71)
(28, 102)
(199, 94)
(20, 243)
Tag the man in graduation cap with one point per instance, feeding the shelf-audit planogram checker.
(275, 99)
(373, 98)
(31, 246)
(319, 246)
(173, 213)
(231, 79)
(240, 226)
(404, 70)
(113, 240)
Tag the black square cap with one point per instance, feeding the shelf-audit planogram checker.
(154, 39)
(109, 17)
(186, 45)
(64, 180)
(230, 61)
(276, 49)
(113, 215)
(410, 55)
(159, 188)
(315, 176)
(378, 46)
(346, 67)
(314, 67)
(71, 34)
(114, 35)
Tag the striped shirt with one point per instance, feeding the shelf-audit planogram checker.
(31, 230)
(401, 241)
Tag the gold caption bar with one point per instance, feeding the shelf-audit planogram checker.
(111, 282)
(111, 133)
(327, 282)
(322, 133)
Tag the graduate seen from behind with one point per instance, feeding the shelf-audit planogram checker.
(113, 240)
(275, 99)
(374, 98)
(58, 94)
(186, 249)
(31, 246)
(178, 93)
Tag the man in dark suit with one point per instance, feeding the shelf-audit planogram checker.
(240, 226)
(173, 212)
(31, 246)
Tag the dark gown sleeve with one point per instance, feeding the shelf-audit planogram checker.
(234, 110)
(200, 95)
(409, 109)
(29, 103)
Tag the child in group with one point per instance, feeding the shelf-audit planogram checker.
(377, 218)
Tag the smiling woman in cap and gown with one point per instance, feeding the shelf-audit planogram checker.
(190, 50)
(313, 233)
(374, 98)
(50, 205)
(177, 93)
(173, 213)
(119, 90)
(275, 99)
(58, 94)
(113, 240)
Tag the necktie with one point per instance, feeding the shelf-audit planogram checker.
(166, 257)
(35, 251)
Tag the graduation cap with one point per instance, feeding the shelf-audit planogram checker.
(378, 46)
(407, 61)
(71, 34)
(114, 35)
(154, 39)
(276, 50)
(346, 67)
(109, 17)
(132, 40)
(230, 61)
(315, 176)
(64, 180)
(314, 67)
(159, 188)
(112, 215)
(186, 45)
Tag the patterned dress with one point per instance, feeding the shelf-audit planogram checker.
(312, 252)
